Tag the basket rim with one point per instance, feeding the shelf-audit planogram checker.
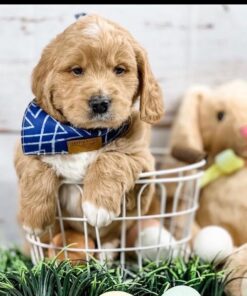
(183, 168)
(178, 170)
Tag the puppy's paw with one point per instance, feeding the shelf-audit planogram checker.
(30, 230)
(35, 221)
(97, 216)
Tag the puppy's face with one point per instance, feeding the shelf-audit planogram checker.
(91, 75)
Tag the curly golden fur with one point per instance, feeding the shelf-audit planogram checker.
(97, 46)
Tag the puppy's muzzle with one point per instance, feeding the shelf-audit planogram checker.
(99, 104)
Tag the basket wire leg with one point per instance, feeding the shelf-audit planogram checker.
(52, 245)
(35, 249)
(190, 203)
(61, 226)
(195, 197)
(85, 230)
(101, 257)
(175, 206)
(139, 252)
(162, 211)
(40, 250)
(123, 235)
(86, 241)
(33, 256)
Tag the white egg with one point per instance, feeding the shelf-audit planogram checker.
(213, 243)
(181, 291)
(116, 293)
(149, 236)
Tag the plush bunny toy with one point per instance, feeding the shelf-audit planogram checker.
(210, 121)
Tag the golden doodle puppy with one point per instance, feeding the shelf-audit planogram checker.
(89, 78)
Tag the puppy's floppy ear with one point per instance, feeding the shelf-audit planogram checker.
(151, 99)
(40, 75)
(42, 82)
(186, 141)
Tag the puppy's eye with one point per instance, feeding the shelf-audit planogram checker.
(77, 71)
(220, 115)
(119, 70)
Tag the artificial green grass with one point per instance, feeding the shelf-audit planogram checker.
(19, 278)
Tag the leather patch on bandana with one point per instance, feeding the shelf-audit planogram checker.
(84, 145)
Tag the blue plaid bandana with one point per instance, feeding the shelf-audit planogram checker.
(41, 134)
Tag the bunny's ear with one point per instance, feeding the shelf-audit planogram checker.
(186, 141)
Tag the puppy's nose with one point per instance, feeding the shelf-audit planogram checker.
(99, 104)
(243, 131)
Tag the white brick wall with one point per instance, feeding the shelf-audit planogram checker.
(186, 43)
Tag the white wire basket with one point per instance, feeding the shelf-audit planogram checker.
(177, 189)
